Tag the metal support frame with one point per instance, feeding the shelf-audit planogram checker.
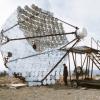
(75, 66)
(59, 62)
(54, 67)
(75, 59)
(69, 66)
(34, 37)
(41, 36)
(86, 68)
(81, 64)
(94, 61)
(43, 52)
(92, 70)
(97, 43)
(81, 59)
(84, 61)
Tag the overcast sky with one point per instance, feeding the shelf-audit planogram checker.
(82, 13)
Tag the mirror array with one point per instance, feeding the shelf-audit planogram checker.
(34, 21)
(33, 78)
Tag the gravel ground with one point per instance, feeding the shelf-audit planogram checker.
(49, 93)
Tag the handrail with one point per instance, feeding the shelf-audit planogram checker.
(94, 62)
(97, 42)
(93, 40)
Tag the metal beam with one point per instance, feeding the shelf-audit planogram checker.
(41, 36)
(58, 62)
(75, 66)
(69, 66)
(54, 67)
(42, 52)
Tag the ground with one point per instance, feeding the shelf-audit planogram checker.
(49, 93)
(53, 92)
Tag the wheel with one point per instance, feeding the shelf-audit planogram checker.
(74, 84)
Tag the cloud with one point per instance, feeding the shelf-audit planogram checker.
(86, 13)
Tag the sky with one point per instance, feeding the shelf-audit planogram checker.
(81, 13)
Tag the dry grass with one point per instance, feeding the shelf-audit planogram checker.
(8, 80)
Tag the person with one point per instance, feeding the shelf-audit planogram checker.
(65, 74)
(34, 45)
(6, 58)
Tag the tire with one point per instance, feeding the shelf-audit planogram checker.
(74, 84)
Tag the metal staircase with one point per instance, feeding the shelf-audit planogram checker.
(95, 57)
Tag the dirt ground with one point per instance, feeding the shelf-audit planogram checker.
(53, 92)
(49, 93)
